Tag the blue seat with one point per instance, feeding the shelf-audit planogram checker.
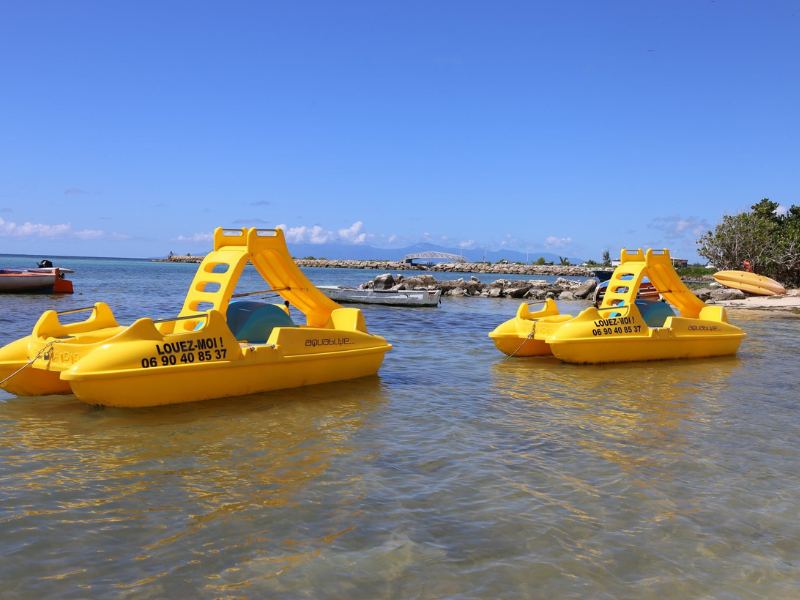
(254, 321)
(654, 312)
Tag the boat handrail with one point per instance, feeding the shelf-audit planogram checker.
(536, 302)
(283, 289)
(75, 310)
(184, 318)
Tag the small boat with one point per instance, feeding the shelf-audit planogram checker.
(602, 274)
(749, 282)
(343, 293)
(39, 280)
(625, 328)
(212, 349)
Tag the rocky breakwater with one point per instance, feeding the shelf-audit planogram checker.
(534, 289)
(461, 267)
(513, 269)
(188, 258)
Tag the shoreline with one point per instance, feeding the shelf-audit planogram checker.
(788, 303)
(388, 265)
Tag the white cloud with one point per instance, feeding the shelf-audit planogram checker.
(557, 242)
(90, 234)
(353, 234)
(59, 231)
(313, 235)
(681, 226)
(197, 237)
(28, 229)
(782, 210)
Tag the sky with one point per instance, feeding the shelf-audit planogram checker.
(132, 129)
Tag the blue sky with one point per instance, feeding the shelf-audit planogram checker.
(136, 128)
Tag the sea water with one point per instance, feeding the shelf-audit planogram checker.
(453, 473)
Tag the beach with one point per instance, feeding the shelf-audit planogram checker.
(789, 302)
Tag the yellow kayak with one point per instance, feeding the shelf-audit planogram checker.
(624, 328)
(214, 348)
(749, 282)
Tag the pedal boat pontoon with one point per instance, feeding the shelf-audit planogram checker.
(214, 348)
(624, 328)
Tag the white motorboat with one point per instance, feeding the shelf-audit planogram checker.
(343, 293)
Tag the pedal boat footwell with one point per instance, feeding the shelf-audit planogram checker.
(617, 331)
(197, 356)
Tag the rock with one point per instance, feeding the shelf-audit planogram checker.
(566, 296)
(727, 294)
(518, 292)
(585, 289)
(540, 284)
(703, 293)
(566, 284)
(494, 292)
(421, 281)
(535, 294)
(383, 282)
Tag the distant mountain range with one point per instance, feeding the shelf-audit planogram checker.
(334, 251)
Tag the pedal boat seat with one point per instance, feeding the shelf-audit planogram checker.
(253, 321)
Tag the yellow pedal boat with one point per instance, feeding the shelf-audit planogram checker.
(214, 348)
(624, 328)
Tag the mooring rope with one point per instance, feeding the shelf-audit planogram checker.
(530, 337)
(46, 347)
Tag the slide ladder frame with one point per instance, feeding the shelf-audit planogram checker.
(657, 266)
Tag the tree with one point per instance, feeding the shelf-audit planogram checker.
(768, 240)
(606, 258)
(738, 238)
(564, 260)
(540, 260)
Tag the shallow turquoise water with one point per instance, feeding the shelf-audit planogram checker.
(453, 473)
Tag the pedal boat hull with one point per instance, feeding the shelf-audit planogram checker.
(515, 336)
(292, 357)
(617, 331)
(198, 356)
(627, 338)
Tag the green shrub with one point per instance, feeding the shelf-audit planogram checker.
(768, 241)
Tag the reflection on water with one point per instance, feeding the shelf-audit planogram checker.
(123, 493)
(454, 473)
